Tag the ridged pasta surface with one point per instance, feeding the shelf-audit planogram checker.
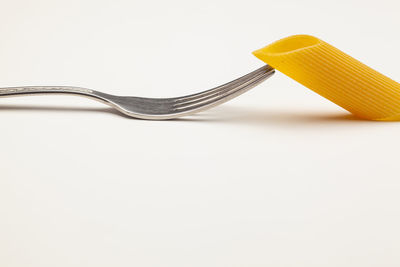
(335, 75)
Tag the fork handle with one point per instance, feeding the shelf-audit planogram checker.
(40, 90)
(30, 90)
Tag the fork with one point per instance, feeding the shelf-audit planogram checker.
(156, 108)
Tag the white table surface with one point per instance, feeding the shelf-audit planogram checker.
(277, 177)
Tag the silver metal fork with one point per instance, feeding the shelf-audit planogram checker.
(156, 108)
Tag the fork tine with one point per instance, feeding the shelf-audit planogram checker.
(224, 97)
(219, 92)
(240, 80)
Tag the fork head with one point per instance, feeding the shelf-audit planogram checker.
(170, 108)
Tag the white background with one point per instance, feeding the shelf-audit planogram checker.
(276, 177)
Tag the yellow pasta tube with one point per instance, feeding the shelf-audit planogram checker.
(335, 75)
